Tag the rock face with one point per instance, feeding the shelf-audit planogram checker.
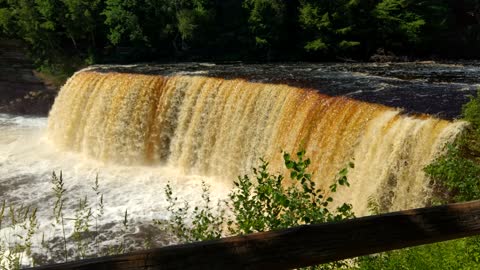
(21, 90)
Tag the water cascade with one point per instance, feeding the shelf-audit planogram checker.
(216, 127)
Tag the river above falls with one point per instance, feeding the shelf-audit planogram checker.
(433, 88)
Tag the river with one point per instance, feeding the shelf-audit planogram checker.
(29, 155)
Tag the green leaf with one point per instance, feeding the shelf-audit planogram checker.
(289, 164)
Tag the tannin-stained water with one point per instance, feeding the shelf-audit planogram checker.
(216, 127)
(140, 132)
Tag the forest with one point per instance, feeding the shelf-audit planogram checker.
(62, 35)
(209, 126)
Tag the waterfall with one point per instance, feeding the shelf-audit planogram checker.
(219, 127)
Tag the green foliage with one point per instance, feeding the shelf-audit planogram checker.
(123, 21)
(265, 203)
(205, 223)
(99, 211)
(81, 227)
(80, 241)
(19, 225)
(63, 35)
(266, 19)
(456, 254)
(59, 192)
(271, 204)
(22, 225)
(193, 19)
(7, 26)
(458, 170)
(60, 35)
(150, 26)
(331, 23)
(397, 18)
(186, 23)
(471, 113)
(80, 20)
(460, 176)
(267, 200)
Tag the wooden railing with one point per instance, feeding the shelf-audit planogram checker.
(304, 245)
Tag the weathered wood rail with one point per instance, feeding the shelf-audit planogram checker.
(304, 245)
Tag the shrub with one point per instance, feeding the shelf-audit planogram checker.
(471, 112)
(265, 203)
(457, 176)
(271, 204)
(205, 224)
(457, 172)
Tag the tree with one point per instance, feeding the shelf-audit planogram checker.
(32, 21)
(54, 31)
(466, 26)
(267, 22)
(158, 24)
(330, 23)
(81, 21)
(122, 18)
(7, 25)
(398, 23)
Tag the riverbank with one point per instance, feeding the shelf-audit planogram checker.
(23, 91)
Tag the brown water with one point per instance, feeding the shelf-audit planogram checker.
(143, 126)
(420, 87)
(221, 127)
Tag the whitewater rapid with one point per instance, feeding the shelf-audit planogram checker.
(28, 158)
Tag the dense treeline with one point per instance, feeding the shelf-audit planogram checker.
(88, 31)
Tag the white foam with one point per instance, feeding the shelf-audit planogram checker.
(21, 121)
(27, 160)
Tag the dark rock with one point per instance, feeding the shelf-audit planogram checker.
(21, 89)
(383, 56)
(34, 103)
